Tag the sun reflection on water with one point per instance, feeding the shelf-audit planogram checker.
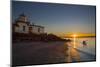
(74, 38)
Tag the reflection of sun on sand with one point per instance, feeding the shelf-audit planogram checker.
(73, 54)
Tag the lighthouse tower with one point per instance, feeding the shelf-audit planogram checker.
(22, 18)
(22, 24)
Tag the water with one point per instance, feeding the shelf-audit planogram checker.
(91, 45)
(83, 53)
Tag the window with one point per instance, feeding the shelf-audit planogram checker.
(23, 28)
(38, 29)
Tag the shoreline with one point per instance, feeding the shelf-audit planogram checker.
(34, 53)
(38, 53)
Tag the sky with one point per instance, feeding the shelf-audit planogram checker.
(59, 19)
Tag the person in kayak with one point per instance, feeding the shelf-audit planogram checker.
(84, 43)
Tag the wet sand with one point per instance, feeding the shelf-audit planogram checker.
(36, 53)
(73, 55)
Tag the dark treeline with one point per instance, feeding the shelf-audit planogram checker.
(35, 37)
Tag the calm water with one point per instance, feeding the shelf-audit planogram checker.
(83, 53)
(91, 45)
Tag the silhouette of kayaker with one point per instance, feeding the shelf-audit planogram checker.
(84, 43)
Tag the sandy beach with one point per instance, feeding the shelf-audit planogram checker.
(33, 53)
(38, 53)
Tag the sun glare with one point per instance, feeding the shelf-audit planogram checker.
(74, 37)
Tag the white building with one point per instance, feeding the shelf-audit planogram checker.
(22, 25)
(36, 29)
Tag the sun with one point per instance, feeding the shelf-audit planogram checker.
(74, 35)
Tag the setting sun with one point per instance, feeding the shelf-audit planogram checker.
(78, 35)
(74, 35)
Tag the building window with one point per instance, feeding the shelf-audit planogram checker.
(38, 29)
(23, 28)
(30, 29)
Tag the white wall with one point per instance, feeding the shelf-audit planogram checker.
(35, 29)
(42, 30)
(20, 28)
